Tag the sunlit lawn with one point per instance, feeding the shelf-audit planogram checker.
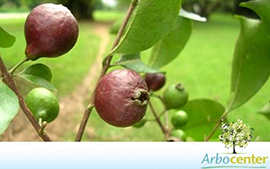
(203, 67)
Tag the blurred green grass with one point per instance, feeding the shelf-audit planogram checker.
(204, 68)
(106, 16)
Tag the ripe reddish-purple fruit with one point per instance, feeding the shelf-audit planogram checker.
(50, 31)
(155, 81)
(121, 98)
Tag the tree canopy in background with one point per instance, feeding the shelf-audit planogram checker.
(206, 7)
(83, 9)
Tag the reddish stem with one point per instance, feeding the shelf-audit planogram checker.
(105, 68)
(11, 84)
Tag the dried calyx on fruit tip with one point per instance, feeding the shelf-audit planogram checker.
(179, 87)
(140, 97)
(50, 31)
(121, 98)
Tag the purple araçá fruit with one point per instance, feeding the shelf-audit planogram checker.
(50, 31)
(121, 98)
(155, 81)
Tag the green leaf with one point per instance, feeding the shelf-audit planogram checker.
(191, 16)
(171, 46)
(38, 81)
(9, 106)
(40, 75)
(262, 8)
(266, 110)
(134, 62)
(203, 115)
(39, 70)
(7, 40)
(251, 62)
(153, 19)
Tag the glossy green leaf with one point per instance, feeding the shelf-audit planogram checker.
(171, 46)
(251, 62)
(6, 40)
(153, 19)
(266, 110)
(40, 75)
(9, 106)
(203, 115)
(262, 8)
(39, 81)
(134, 62)
(39, 70)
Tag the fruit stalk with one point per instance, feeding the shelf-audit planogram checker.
(11, 84)
(166, 119)
(106, 66)
(164, 130)
(11, 71)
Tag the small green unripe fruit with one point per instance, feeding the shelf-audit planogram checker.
(175, 97)
(50, 31)
(179, 134)
(179, 119)
(140, 124)
(43, 104)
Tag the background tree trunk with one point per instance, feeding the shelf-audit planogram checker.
(244, 11)
(81, 9)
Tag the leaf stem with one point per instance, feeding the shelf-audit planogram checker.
(224, 115)
(217, 125)
(11, 84)
(106, 66)
(12, 70)
(163, 113)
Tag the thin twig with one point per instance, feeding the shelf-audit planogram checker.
(166, 119)
(160, 98)
(11, 84)
(151, 120)
(162, 101)
(164, 111)
(164, 130)
(106, 66)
